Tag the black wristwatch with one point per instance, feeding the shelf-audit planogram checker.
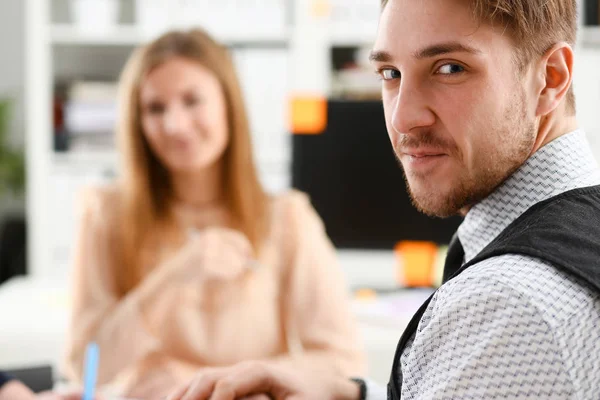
(362, 386)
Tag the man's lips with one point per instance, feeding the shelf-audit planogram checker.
(420, 153)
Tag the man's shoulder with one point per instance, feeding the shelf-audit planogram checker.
(533, 281)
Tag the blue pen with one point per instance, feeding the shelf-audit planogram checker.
(92, 355)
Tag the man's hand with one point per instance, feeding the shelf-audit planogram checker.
(262, 380)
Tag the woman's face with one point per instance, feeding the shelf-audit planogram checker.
(184, 115)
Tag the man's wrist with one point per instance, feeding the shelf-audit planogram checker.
(352, 389)
(348, 389)
(362, 386)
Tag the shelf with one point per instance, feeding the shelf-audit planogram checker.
(354, 39)
(81, 158)
(106, 158)
(590, 36)
(125, 35)
(130, 35)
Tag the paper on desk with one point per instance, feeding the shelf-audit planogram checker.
(391, 309)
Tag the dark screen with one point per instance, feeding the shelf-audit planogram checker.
(356, 184)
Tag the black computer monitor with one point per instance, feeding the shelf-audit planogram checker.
(356, 184)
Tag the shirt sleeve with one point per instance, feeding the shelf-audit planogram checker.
(481, 339)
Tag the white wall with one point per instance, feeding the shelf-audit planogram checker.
(586, 84)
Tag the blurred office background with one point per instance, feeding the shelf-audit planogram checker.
(60, 60)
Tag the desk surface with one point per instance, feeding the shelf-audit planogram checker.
(34, 320)
(36, 313)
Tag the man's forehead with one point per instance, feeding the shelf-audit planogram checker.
(426, 28)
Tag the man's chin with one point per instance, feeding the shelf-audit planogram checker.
(434, 206)
(444, 204)
(437, 211)
(434, 197)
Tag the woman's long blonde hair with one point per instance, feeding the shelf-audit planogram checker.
(146, 187)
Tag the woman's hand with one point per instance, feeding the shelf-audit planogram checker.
(218, 253)
(212, 254)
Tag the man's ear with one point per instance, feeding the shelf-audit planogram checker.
(556, 69)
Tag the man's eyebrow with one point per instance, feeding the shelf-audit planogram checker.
(444, 48)
(380, 56)
(427, 52)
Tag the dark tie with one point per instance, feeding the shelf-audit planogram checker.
(454, 258)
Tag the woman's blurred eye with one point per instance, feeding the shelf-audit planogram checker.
(192, 101)
(155, 108)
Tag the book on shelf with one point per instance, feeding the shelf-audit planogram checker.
(90, 113)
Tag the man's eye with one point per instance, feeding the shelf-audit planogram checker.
(450, 69)
(388, 74)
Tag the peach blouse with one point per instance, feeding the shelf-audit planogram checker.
(292, 308)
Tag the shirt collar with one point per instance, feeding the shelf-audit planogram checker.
(564, 164)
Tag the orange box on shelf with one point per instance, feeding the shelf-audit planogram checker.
(308, 114)
(417, 258)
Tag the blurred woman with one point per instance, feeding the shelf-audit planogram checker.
(186, 262)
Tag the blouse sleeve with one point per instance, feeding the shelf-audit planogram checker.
(318, 317)
(98, 314)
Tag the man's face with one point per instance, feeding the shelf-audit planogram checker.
(459, 113)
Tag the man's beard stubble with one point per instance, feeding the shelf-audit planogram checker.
(491, 168)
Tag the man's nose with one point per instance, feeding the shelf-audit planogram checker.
(411, 110)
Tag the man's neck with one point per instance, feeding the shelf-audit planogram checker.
(553, 126)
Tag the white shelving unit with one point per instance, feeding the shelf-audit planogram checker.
(130, 35)
(38, 92)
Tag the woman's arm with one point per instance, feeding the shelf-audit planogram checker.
(115, 324)
(318, 317)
